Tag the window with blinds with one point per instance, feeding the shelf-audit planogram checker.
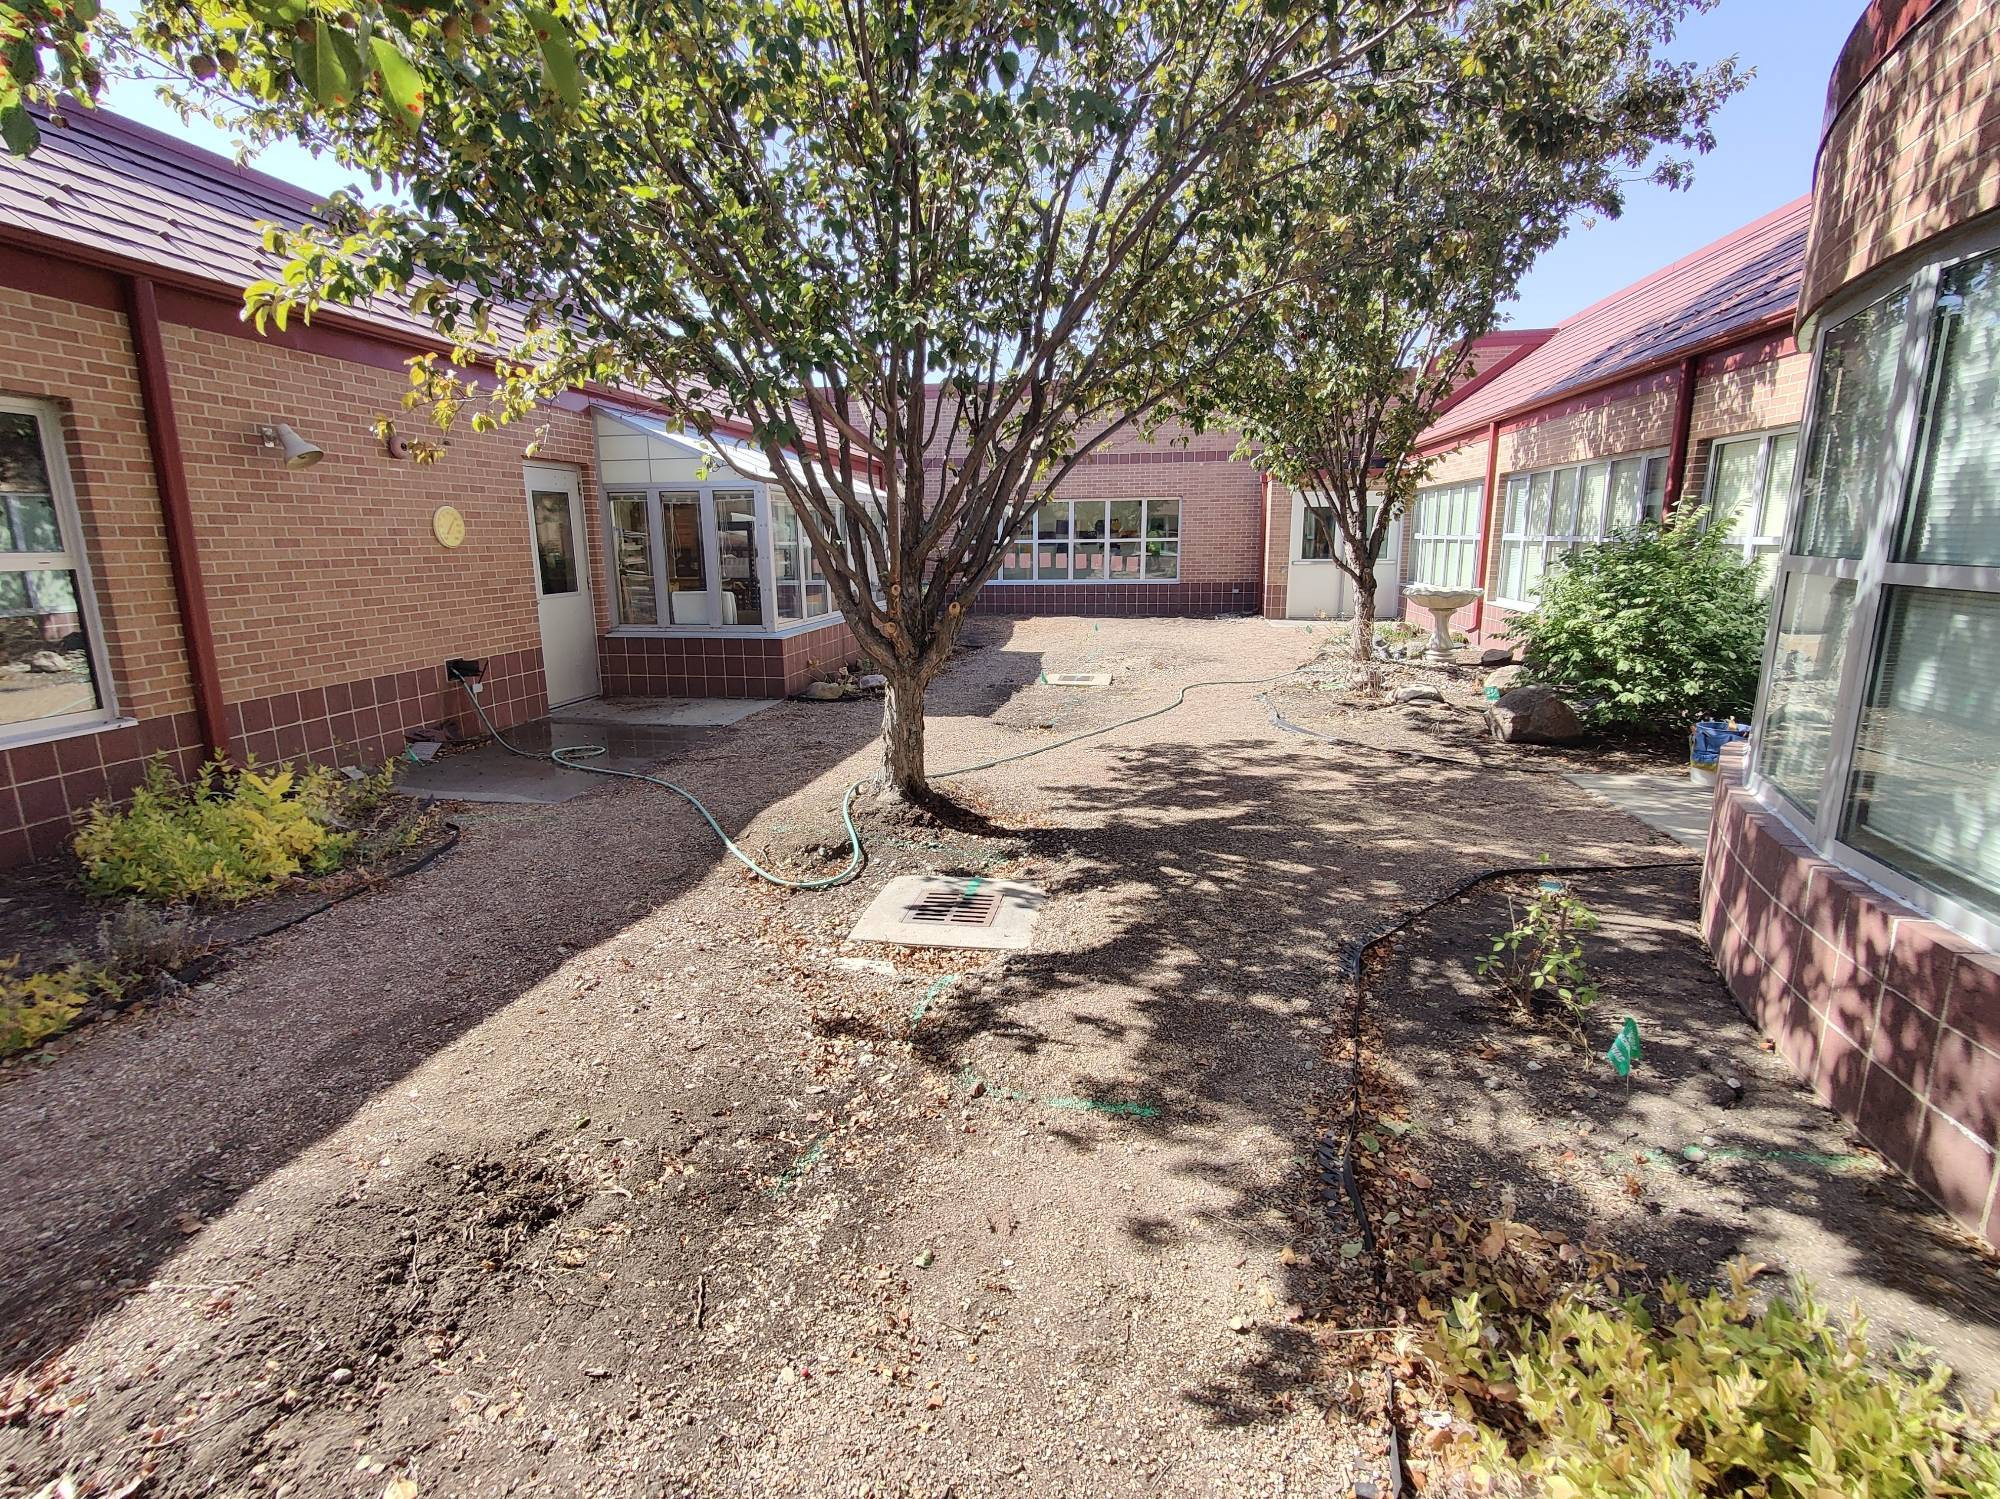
(1749, 483)
(1553, 512)
(1925, 793)
(1880, 721)
(1444, 538)
(1851, 428)
(1954, 514)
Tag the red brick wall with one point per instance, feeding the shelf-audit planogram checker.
(1221, 568)
(657, 666)
(1732, 397)
(1916, 150)
(332, 604)
(1893, 1019)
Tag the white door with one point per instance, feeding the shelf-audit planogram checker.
(1316, 588)
(562, 584)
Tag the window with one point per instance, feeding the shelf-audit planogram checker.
(687, 560)
(1551, 513)
(555, 545)
(1749, 483)
(1097, 541)
(1319, 538)
(802, 588)
(632, 559)
(1444, 544)
(51, 676)
(1880, 712)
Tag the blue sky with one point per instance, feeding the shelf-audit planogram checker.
(1764, 143)
(1765, 138)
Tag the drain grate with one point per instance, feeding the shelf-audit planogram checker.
(951, 911)
(966, 907)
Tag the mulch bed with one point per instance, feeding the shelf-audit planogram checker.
(1711, 1150)
(49, 917)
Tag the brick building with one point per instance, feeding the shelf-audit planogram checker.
(1684, 387)
(1852, 894)
(176, 579)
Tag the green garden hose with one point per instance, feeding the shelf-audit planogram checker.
(572, 757)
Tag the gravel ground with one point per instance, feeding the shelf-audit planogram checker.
(581, 1162)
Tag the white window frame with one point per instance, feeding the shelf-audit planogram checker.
(806, 560)
(1030, 537)
(1873, 573)
(1551, 541)
(1446, 493)
(74, 558)
(1753, 547)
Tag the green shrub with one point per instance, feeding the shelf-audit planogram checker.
(36, 1006)
(1715, 1396)
(1541, 954)
(1660, 627)
(228, 835)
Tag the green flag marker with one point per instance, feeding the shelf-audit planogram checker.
(1625, 1048)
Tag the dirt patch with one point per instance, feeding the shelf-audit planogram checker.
(601, 1167)
(1711, 1150)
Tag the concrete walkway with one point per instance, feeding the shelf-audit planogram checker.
(1670, 804)
(636, 733)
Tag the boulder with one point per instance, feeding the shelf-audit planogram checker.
(823, 692)
(1417, 694)
(873, 681)
(1505, 680)
(1496, 655)
(47, 661)
(1534, 715)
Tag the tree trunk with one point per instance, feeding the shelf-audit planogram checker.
(1369, 677)
(903, 736)
(1364, 613)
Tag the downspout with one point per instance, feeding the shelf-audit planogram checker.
(1264, 545)
(1677, 453)
(1486, 521)
(142, 313)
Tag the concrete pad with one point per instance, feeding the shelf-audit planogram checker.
(488, 773)
(665, 712)
(1077, 678)
(952, 911)
(1672, 804)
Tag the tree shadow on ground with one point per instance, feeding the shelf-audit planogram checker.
(134, 1133)
(1240, 868)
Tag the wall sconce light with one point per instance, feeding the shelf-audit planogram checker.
(298, 452)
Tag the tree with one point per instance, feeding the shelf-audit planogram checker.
(876, 231)
(1356, 356)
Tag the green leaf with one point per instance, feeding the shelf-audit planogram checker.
(321, 68)
(400, 82)
(18, 129)
(559, 68)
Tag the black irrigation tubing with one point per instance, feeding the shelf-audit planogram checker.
(1339, 1176)
(201, 967)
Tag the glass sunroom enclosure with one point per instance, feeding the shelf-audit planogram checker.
(702, 541)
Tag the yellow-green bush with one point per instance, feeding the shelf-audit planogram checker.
(1717, 1396)
(228, 835)
(36, 1006)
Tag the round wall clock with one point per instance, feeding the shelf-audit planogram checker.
(448, 525)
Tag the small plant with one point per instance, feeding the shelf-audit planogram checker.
(140, 940)
(1601, 1397)
(1652, 628)
(228, 835)
(36, 1006)
(1541, 954)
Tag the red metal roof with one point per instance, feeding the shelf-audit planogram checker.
(114, 189)
(1742, 282)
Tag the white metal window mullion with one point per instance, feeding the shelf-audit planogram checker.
(1756, 497)
(656, 554)
(1891, 487)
